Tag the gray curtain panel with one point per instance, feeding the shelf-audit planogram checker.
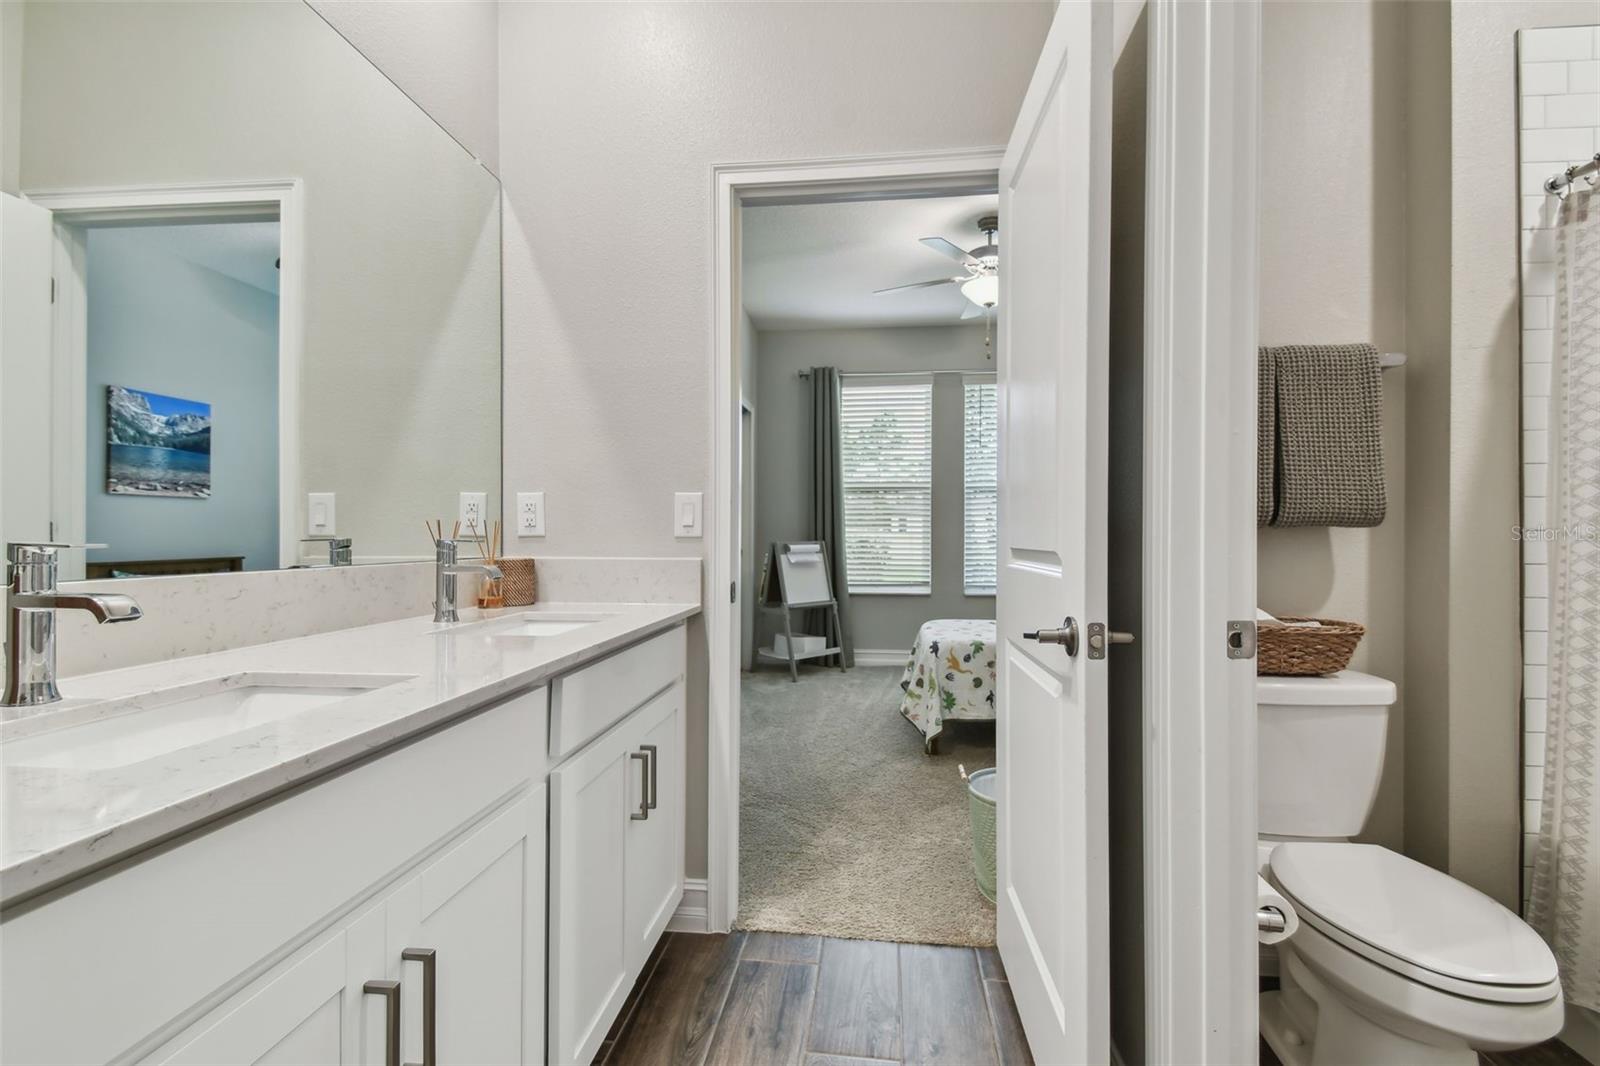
(827, 505)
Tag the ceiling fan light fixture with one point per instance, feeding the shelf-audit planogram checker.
(983, 290)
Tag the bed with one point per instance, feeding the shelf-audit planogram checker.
(950, 676)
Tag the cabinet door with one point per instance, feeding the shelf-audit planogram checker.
(591, 797)
(654, 861)
(308, 1009)
(465, 938)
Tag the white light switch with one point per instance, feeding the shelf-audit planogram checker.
(686, 508)
(530, 514)
(319, 514)
(473, 505)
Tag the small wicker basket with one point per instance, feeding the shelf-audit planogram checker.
(520, 583)
(1296, 651)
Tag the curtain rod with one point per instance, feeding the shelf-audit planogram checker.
(900, 373)
(1560, 184)
(1386, 360)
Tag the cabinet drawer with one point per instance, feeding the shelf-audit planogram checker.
(171, 934)
(588, 701)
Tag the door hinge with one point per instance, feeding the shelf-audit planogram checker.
(1241, 639)
(52, 290)
(733, 592)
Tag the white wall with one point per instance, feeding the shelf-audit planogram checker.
(399, 397)
(612, 116)
(444, 54)
(1333, 270)
(783, 461)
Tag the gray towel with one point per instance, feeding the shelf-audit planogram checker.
(1329, 403)
(1266, 436)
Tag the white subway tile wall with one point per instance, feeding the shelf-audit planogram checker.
(1559, 124)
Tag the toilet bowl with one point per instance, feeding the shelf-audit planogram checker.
(1394, 961)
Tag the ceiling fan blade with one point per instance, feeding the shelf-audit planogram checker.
(944, 247)
(921, 285)
(972, 311)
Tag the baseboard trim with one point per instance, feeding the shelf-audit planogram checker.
(691, 915)
(881, 656)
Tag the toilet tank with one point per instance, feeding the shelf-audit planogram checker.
(1319, 752)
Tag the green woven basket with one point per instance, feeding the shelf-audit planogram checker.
(981, 788)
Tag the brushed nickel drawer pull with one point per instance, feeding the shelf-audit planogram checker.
(390, 991)
(650, 749)
(430, 999)
(644, 786)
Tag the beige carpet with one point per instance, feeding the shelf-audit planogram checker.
(846, 828)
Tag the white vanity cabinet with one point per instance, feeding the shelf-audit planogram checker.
(616, 836)
(253, 939)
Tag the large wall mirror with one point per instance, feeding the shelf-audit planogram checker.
(275, 315)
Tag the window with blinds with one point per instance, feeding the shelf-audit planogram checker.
(886, 449)
(981, 486)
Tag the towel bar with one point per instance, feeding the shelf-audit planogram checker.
(1389, 359)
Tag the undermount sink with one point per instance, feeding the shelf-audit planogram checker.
(533, 623)
(549, 625)
(115, 733)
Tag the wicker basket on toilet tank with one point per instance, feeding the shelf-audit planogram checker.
(1297, 651)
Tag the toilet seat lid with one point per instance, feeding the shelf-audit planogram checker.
(1411, 912)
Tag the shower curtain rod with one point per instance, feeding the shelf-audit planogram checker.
(1386, 361)
(901, 373)
(1560, 183)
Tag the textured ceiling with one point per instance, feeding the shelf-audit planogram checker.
(815, 266)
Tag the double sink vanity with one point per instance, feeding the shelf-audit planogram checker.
(405, 842)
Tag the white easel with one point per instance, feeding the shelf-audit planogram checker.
(802, 583)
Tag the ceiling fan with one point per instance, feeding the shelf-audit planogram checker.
(981, 283)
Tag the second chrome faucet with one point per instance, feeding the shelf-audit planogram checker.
(446, 569)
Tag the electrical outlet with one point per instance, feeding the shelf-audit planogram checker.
(473, 506)
(530, 514)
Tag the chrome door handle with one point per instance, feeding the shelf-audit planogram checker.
(1066, 636)
(644, 786)
(430, 1000)
(390, 991)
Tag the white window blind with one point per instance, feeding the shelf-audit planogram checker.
(886, 449)
(981, 484)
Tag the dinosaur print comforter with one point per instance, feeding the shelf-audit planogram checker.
(950, 675)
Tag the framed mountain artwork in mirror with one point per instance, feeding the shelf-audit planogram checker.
(157, 445)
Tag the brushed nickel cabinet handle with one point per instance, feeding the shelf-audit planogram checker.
(430, 1013)
(390, 991)
(644, 786)
(650, 749)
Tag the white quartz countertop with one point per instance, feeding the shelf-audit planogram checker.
(62, 820)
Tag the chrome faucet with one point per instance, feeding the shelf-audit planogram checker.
(444, 583)
(31, 604)
(340, 552)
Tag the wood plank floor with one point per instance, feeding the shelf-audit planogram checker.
(770, 999)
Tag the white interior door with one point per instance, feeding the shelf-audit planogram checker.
(26, 248)
(1051, 738)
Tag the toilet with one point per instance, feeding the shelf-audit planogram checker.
(1393, 962)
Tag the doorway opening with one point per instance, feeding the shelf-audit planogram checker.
(868, 408)
(172, 378)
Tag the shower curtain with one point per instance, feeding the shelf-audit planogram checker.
(1564, 904)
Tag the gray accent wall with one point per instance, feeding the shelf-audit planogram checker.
(162, 324)
(783, 459)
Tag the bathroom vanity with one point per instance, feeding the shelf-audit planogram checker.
(400, 843)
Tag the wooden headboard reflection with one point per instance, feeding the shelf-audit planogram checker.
(216, 564)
